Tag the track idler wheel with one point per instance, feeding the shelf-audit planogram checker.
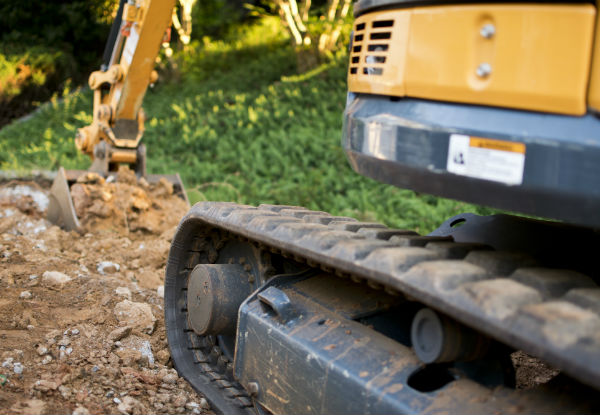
(214, 295)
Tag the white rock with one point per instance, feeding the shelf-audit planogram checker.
(47, 359)
(81, 410)
(25, 295)
(123, 291)
(137, 315)
(33, 277)
(18, 368)
(128, 405)
(30, 327)
(204, 403)
(160, 291)
(107, 267)
(74, 332)
(8, 362)
(55, 277)
(146, 350)
(42, 350)
(16, 192)
(192, 405)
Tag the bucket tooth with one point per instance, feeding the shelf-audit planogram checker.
(61, 211)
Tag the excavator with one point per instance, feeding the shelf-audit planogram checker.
(280, 309)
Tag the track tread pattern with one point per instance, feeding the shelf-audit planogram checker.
(552, 314)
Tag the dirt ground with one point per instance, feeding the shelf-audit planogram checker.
(81, 315)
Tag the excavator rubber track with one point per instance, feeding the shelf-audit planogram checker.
(548, 313)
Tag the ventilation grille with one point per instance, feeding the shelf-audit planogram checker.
(370, 47)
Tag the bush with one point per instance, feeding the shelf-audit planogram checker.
(43, 44)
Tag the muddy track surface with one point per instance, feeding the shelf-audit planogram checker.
(81, 315)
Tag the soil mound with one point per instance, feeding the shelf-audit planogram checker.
(81, 315)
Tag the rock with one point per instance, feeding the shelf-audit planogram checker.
(80, 410)
(130, 405)
(144, 183)
(65, 341)
(52, 336)
(55, 277)
(18, 368)
(162, 356)
(171, 378)
(119, 333)
(65, 392)
(8, 363)
(179, 401)
(137, 315)
(42, 350)
(126, 175)
(164, 188)
(163, 397)
(124, 292)
(204, 404)
(139, 200)
(91, 177)
(107, 267)
(45, 385)
(160, 291)
(47, 359)
(25, 295)
(146, 351)
(131, 357)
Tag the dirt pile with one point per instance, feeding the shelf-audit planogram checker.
(81, 315)
(125, 205)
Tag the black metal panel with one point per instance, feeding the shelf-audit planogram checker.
(306, 359)
(405, 143)
(298, 356)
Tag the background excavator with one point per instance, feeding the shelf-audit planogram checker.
(278, 309)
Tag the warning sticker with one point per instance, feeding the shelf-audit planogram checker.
(484, 158)
(130, 45)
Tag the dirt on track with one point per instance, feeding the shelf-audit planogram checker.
(81, 315)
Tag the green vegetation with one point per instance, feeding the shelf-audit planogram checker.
(43, 45)
(240, 125)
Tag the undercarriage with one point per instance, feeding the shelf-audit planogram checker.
(285, 310)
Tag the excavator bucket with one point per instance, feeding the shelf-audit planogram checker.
(61, 210)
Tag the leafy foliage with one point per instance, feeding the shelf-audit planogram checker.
(43, 44)
(241, 126)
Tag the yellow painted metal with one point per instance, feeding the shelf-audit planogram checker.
(139, 54)
(533, 56)
(118, 117)
(594, 88)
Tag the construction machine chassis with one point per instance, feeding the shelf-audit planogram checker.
(406, 143)
(305, 341)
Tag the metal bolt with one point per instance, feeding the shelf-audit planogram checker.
(488, 31)
(253, 388)
(484, 70)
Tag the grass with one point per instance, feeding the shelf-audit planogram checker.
(239, 124)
